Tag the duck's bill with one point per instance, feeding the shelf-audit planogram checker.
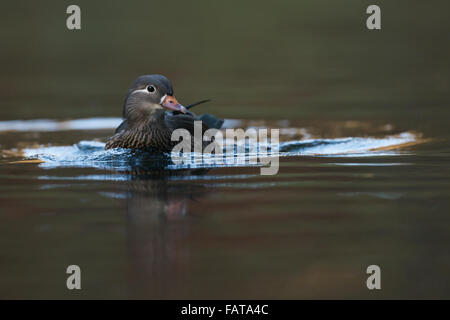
(172, 104)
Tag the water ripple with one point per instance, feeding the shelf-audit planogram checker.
(91, 154)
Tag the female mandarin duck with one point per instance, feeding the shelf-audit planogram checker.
(147, 125)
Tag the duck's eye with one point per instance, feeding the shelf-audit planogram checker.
(151, 89)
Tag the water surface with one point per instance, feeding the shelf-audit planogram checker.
(142, 229)
(364, 172)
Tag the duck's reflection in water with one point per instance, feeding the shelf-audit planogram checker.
(158, 231)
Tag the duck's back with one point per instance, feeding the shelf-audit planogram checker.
(157, 134)
(148, 136)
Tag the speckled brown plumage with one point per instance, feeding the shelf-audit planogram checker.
(145, 135)
(147, 125)
(153, 133)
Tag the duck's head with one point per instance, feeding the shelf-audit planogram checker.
(149, 95)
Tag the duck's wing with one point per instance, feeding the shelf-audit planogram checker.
(183, 121)
(211, 121)
(207, 119)
(122, 127)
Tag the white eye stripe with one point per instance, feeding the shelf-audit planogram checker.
(140, 90)
(145, 91)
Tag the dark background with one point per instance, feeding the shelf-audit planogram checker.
(308, 232)
(256, 59)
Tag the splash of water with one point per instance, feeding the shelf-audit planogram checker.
(91, 154)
